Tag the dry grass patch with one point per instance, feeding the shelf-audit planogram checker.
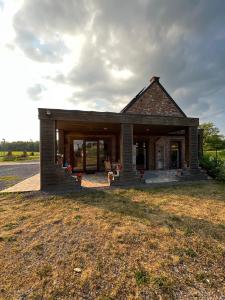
(9, 178)
(114, 244)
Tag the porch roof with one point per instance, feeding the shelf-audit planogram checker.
(114, 118)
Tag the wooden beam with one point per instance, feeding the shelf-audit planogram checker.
(110, 117)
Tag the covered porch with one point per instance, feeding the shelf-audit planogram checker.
(86, 140)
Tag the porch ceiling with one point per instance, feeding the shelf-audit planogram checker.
(88, 127)
(109, 128)
(140, 129)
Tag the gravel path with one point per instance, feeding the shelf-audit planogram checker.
(14, 173)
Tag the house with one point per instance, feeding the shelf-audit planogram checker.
(150, 133)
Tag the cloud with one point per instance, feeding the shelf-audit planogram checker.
(181, 41)
(1, 5)
(35, 92)
(40, 26)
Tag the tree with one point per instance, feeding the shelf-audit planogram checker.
(32, 146)
(212, 139)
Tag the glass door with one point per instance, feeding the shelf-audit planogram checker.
(91, 155)
(78, 147)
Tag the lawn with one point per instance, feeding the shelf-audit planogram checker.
(164, 243)
(220, 154)
(16, 156)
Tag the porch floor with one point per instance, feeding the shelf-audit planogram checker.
(160, 176)
(99, 179)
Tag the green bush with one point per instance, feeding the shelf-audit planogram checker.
(214, 167)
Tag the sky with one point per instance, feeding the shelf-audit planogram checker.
(98, 54)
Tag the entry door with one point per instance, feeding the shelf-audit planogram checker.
(175, 155)
(159, 157)
(91, 155)
(141, 152)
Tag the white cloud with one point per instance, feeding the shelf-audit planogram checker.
(98, 54)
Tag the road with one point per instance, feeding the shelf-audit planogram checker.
(12, 173)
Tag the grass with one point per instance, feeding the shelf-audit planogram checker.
(16, 156)
(9, 178)
(142, 277)
(220, 154)
(164, 243)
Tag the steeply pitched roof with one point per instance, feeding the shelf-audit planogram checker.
(154, 100)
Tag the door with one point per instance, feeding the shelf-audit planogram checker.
(141, 154)
(160, 156)
(175, 155)
(78, 148)
(89, 155)
(91, 148)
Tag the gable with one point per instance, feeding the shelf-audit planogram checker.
(154, 100)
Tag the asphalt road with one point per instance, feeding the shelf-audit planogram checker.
(11, 174)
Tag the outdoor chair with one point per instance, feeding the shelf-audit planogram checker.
(108, 166)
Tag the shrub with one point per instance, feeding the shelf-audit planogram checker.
(214, 167)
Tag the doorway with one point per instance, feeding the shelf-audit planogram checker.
(160, 156)
(141, 155)
(89, 154)
(175, 155)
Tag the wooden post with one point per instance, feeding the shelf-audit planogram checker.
(193, 147)
(47, 152)
(128, 175)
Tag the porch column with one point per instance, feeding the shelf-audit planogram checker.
(193, 147)
(186, 155)
(152, 152)
(126, 147)
(47, 152)
(126, 153)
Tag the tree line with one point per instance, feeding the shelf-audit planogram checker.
(212, 138)
(32, 146)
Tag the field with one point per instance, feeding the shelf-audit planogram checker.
(16, 156)
(164, 243)
(220, 154)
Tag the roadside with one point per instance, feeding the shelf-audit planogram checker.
(19, 156)
(12, 163)
(12, 172)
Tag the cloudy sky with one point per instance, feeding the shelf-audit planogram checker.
(98, 54)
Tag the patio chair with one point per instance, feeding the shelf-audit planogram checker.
(108, 166)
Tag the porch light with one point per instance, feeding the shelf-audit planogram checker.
(48, 113)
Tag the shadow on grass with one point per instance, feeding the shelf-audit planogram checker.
(196, 191)
(151, 214)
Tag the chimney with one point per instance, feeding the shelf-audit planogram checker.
(154, 78)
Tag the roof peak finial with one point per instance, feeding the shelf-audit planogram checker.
(154, 78)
